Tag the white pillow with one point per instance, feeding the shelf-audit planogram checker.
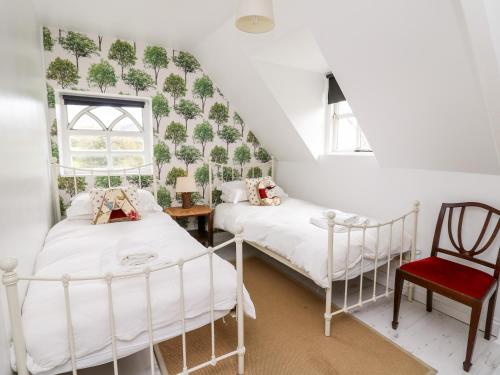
(234, 191)
(147, 202)
(81, 206)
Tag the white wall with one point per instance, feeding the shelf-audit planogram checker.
(357, 184)
(24, 180)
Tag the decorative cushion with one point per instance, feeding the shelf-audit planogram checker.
(268, 193)
(456, 276)
(114, 204)
(253, 195)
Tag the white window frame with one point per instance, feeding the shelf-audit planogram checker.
(335, 116)
(64, 133)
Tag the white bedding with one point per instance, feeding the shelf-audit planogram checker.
(287, 231)
(78, 248)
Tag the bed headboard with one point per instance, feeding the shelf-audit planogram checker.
(220, 172)
(67, 182)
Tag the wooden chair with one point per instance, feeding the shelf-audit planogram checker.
(459, 282)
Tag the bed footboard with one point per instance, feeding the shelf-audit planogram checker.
(10, 281)
(377, 258)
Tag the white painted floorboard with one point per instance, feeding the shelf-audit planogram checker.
(435, 338)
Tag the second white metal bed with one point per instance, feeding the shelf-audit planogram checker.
(406, 222)
(147, 276)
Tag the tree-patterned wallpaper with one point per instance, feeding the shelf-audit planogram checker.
(192, 120)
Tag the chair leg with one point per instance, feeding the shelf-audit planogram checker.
(474, 322)
(429, 300)
(398, 290)
(489, 316)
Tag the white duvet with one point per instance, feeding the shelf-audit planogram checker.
(78, 248)
(287, 231)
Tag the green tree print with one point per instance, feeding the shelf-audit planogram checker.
(229, 135)
(239, 121)
(64, 72)
(262, 155)
(164, 198)
(139, 80)
(54, 150)
(216, 197)
(123, 53)
(251, 138)
(79, 45)
(254, 172)
(101, 75)
(51, 97)
(48, 42)
(162, 156)
(242, 155)
(189, 155)
(155, 57)
(176, 133)
(53, 128)
(188, 110)
(175, 86)
(160, 109)
(203, 133)
(186, 62)
(203, 88)
(201, 177)
(173, 174)
(218, 155)
(230, 174)
(219, 114)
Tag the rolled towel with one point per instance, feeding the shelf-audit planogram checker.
(342, 217)
(322, 222)
(138, 259)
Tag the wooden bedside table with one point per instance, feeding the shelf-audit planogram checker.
(201, 212)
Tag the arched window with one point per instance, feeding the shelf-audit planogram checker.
(97, 133)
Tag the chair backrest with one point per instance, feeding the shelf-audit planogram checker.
(481, 244)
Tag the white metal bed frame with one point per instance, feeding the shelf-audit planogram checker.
(331, 235)
(11, 280)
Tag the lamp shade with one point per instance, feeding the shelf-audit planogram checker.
(185, 185)
(255, 16)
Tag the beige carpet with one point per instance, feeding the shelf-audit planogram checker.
(287, 337)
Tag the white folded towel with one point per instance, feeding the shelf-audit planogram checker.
(133, 255)
(138, 259)
(341, 217)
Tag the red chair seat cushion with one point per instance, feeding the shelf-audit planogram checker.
(463, 279)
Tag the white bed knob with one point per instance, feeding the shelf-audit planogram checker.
(8, 264)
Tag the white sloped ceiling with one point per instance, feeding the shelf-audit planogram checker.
(407, 69)
(421, 76)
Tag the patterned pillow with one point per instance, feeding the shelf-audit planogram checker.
(114, 204)
(252, 193)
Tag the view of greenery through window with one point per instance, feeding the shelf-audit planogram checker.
(104, 137)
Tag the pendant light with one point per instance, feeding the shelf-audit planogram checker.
(255, 16)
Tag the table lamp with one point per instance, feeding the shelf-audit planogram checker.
(186, 186)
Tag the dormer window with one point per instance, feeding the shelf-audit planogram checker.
(345, 134)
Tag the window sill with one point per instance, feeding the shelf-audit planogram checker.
(350, 153)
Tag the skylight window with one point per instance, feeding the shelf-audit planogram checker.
(345, 134)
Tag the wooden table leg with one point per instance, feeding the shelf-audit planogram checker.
(201, 228)
(211, 229)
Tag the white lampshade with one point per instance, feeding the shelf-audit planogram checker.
(255, 16)
(185, 185)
